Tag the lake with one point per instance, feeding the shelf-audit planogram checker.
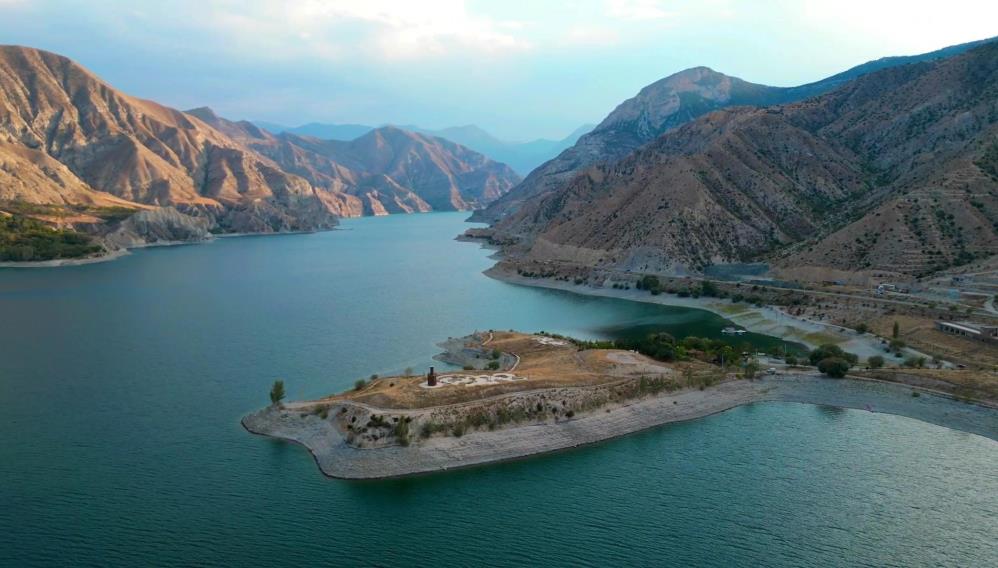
(122, 385)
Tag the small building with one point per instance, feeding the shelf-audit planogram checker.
(977, 331)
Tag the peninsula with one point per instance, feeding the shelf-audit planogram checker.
(520, 394)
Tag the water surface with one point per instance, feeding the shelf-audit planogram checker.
(121, 387)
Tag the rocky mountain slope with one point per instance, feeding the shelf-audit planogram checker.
(68, 138)
(76, 153)
(895, 172)
(387, 170)
(523, 157)
(666, 104)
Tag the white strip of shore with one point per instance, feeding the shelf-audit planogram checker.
(337, 459)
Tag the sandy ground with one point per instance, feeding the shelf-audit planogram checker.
(765, 320)
(338, 459)
(67, 261)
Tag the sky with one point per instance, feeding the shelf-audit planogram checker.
(519, 69)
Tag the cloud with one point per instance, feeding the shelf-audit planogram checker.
(636, 10)
(590, 36)
(384, 29)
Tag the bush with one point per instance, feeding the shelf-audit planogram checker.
(829, 351)
(875, 362)
(277, 392)
(834, 367)
(913, 361)
(649, 283)
(862, 328)
(708, 289)
(493, 365)
(790, 360)
(359, 384)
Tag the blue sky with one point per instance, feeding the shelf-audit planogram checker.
(518, 69)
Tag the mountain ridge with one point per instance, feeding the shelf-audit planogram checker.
(893, 173)
(615, 137)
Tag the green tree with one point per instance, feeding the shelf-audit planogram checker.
(751, 369)
(277, 392)
(862, 328)
(896, 331)
(828, 351)
(875, 362)
(834, 367)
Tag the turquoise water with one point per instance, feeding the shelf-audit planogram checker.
(122, 384)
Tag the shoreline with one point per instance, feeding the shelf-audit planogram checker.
(336, 459)
(125, 251)
(765, 320)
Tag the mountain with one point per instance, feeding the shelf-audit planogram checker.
(319, 130)
(78, 154)
(387, 170)
(666, 104)
(893, 173)
(521, 156)
(68, 138)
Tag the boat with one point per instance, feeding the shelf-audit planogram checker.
(733, 331)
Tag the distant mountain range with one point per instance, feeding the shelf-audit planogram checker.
(76, 152)
(893, 173)
(521, 156)
(386, 170)
(667, 104)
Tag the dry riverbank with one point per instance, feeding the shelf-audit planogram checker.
(336, 458)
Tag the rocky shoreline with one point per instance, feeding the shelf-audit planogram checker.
(338, 459)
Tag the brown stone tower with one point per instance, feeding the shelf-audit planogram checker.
(431, 378)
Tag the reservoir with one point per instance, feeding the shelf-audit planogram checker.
(122, 385)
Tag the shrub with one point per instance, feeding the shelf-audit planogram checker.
(469, 367)
(493, 365)
(790, 360)
(862, 328)
(359, 384)
(834, 367)
(829, 351)
(914, 361)
(708, 288)
(277, 392)
(875, 362)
